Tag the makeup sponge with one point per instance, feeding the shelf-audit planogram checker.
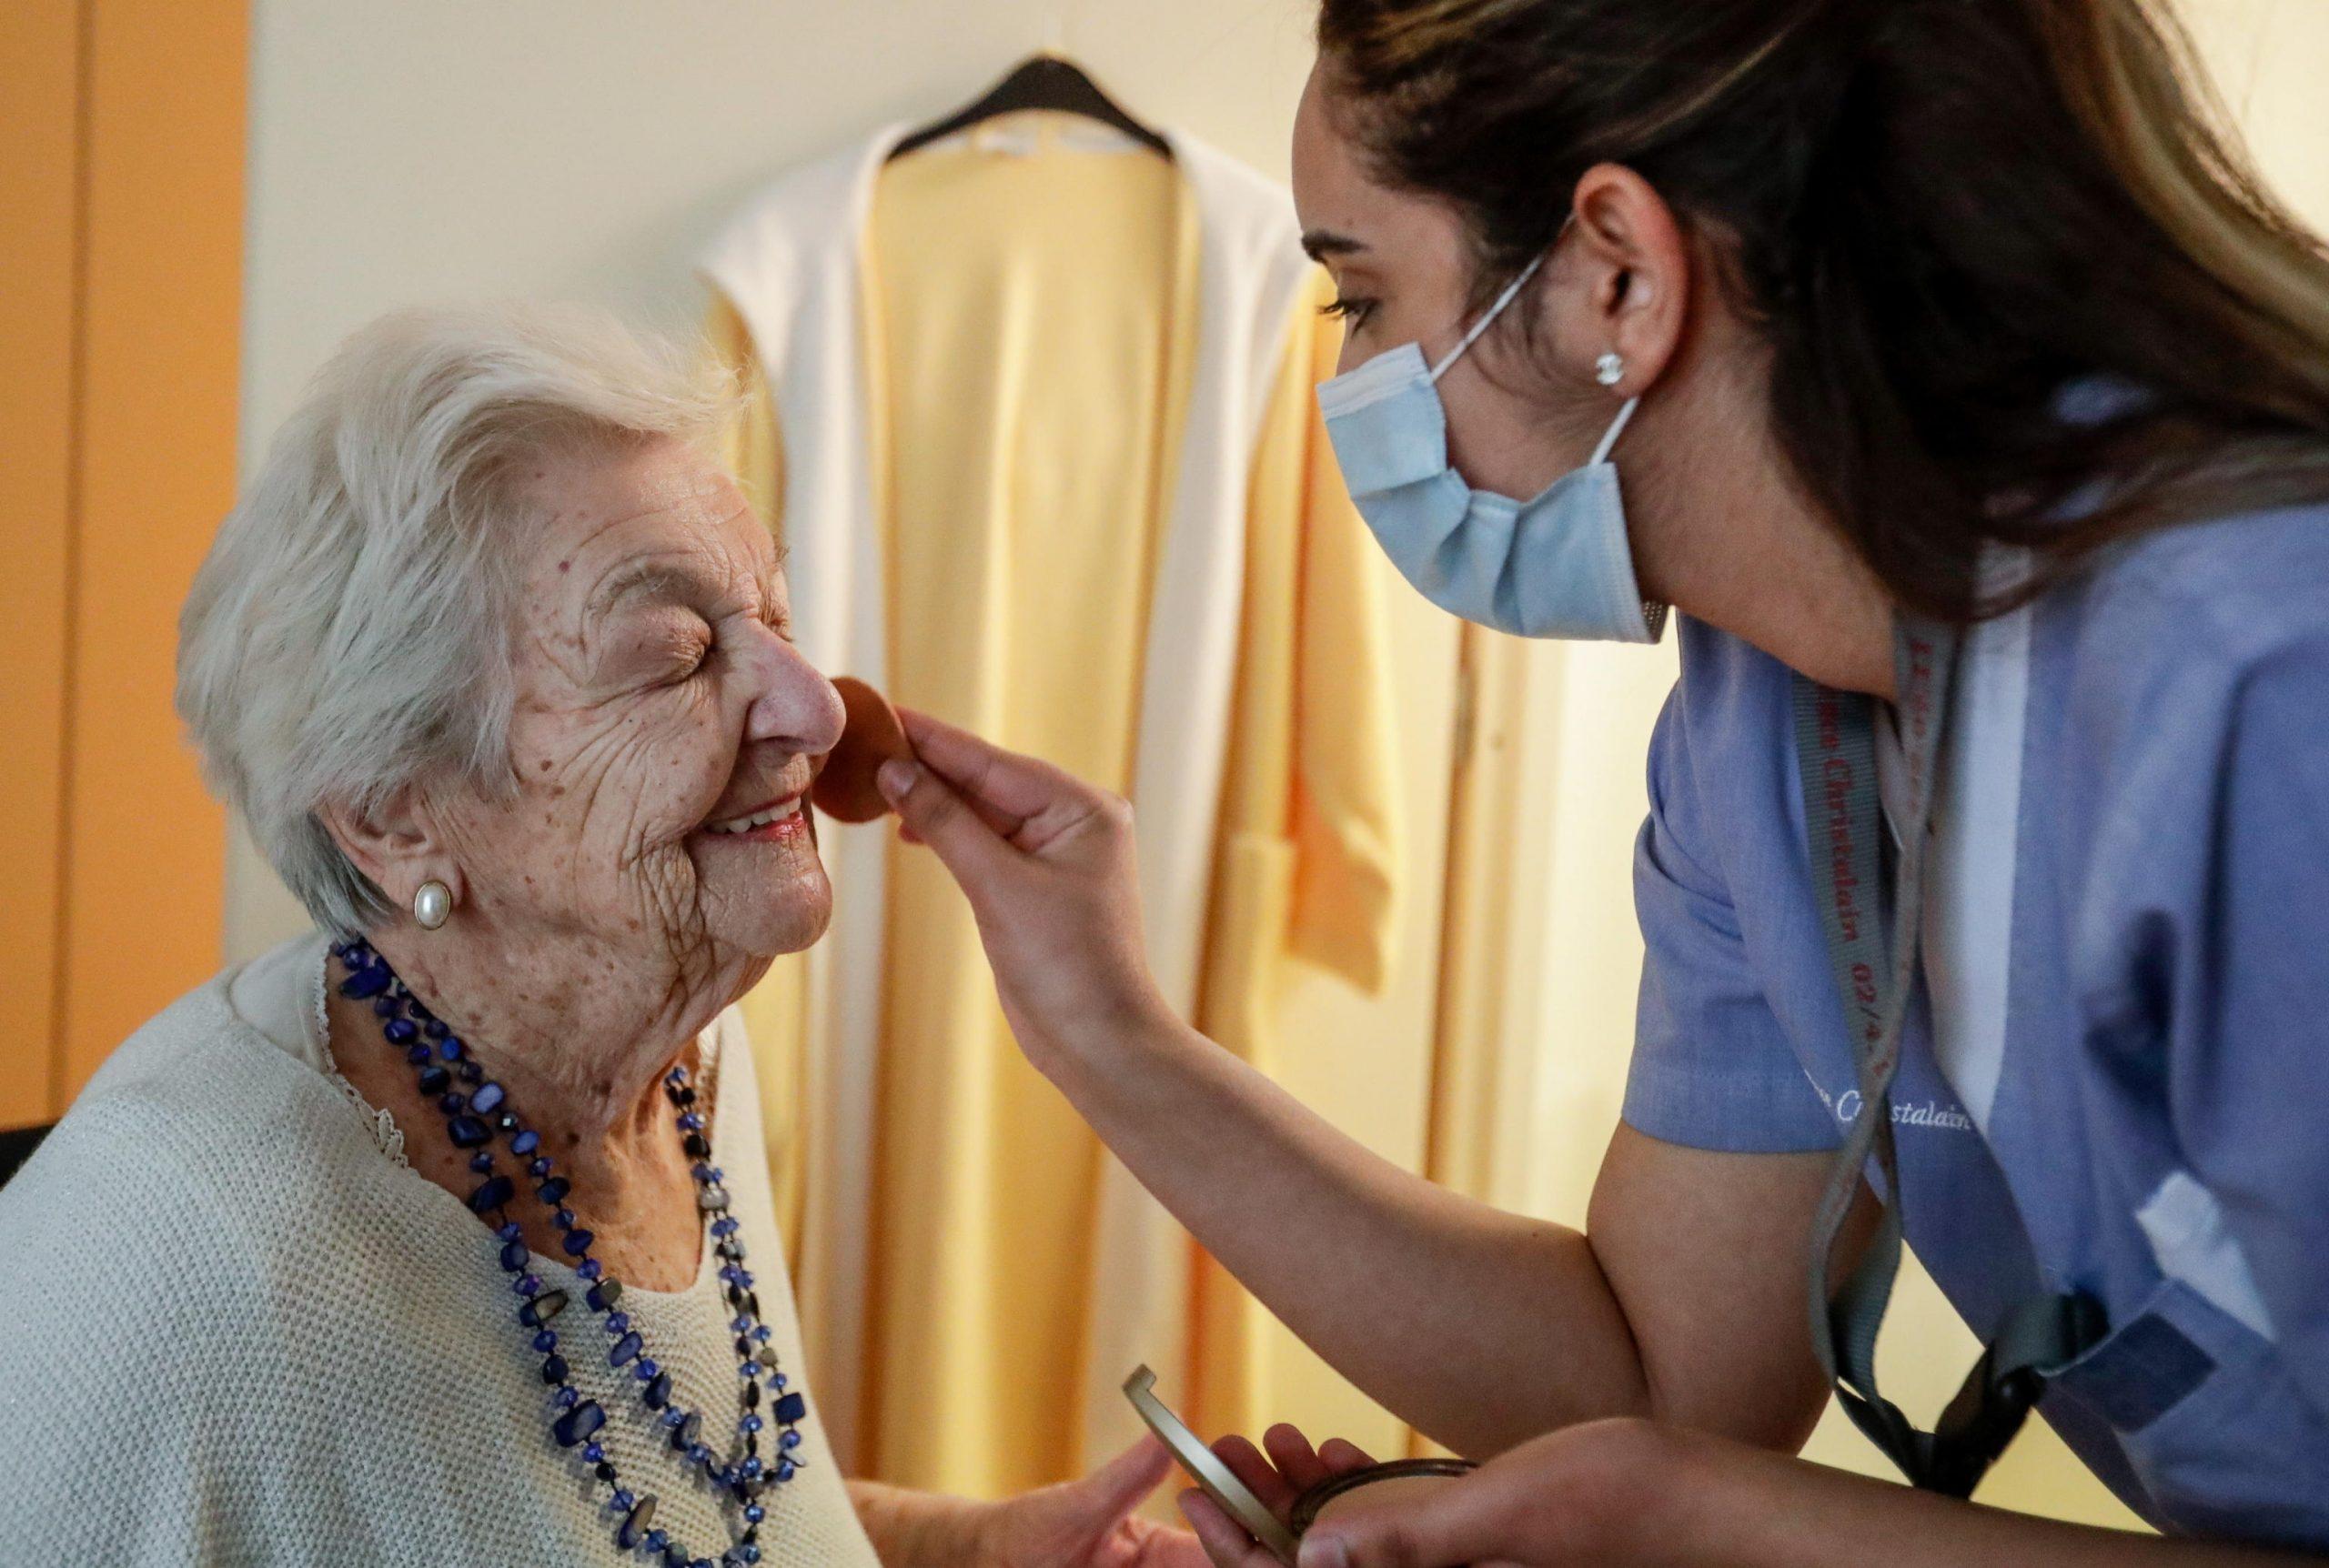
(845, 790)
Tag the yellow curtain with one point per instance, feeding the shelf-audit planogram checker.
(1311, 826)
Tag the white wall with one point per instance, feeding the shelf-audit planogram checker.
(425, 150)
(2268, 58)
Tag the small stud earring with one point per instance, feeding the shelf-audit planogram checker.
(1610, 369)
(432, 905)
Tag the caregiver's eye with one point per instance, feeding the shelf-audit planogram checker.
(1354, 310)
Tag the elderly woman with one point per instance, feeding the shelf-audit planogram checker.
(442, 1234)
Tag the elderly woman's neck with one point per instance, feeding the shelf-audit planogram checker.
(582, 1066)
(580, 1059)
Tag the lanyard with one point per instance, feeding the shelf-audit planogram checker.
(1875, 971)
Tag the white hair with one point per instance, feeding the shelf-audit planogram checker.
(349, 633)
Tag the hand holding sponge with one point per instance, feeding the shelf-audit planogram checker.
(873, 734)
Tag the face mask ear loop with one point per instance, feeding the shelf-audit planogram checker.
(1617, 426)
(1493, 312)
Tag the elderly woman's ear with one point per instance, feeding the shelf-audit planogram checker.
(402, 853)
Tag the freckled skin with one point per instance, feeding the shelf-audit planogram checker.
(597, 928)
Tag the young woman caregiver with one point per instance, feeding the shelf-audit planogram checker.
(1968, 404)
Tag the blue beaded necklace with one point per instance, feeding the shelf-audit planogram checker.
(477, 1112)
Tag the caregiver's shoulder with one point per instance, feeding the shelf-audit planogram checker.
(2182, 629)
(113, 1235)
(2242, 587)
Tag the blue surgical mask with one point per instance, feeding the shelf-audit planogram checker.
(1557, 566)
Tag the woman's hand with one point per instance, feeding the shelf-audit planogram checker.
(1087, 1523)
(1046, 861)
(1291, 1469)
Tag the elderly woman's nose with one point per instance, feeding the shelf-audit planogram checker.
(795, 704)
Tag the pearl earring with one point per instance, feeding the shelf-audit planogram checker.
(432, 905)
(1610, 369)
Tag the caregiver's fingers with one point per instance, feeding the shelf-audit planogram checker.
(1224, 1539)
(936, 816)
(1010, 786)
(1452, 1527)
(1341, 1455)
(1261, 1477)
(1295, 1458)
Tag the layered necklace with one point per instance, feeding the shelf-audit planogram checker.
(478, 1113)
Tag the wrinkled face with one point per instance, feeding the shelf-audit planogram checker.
(1403, 273)
(665, 732)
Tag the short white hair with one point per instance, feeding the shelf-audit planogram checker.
(349, 633)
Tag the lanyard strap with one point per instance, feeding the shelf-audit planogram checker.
(1835, 738)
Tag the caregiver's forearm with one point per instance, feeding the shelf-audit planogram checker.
(1478, 1327)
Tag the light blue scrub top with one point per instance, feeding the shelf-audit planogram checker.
(2115, 1074)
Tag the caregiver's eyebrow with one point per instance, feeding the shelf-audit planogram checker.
(1321, 243)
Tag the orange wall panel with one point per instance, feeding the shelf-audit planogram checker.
(39, 77)
(155, 472)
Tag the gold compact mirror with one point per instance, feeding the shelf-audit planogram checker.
(1205, 1467)
(1383, 1485)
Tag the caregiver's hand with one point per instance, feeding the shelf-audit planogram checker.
(1046, 861)
(1601, 1492)
(1290, 1469)
(1634, 1493)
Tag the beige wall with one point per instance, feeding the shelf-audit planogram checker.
(2268, 58)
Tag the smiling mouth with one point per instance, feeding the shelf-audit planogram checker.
(777, 820)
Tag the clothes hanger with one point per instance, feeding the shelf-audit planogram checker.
(1042, 81)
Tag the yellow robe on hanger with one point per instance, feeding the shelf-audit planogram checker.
(1027, 424)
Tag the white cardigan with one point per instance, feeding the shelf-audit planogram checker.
(236, 1328)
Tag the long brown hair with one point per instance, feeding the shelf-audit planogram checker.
(1940, 215)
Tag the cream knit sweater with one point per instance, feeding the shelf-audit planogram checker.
(236, 1328)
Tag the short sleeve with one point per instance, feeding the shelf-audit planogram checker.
(1711, 1067)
